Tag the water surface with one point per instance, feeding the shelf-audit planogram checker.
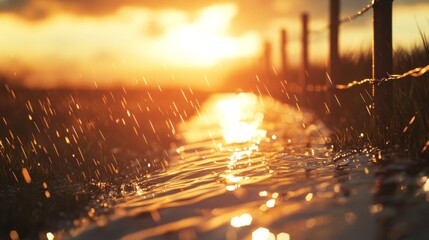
(247, 167)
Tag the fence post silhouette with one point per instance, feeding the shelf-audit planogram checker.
(334, 59)
(382, 60)
(267, 58)
(334, 22)
(283, 45)
(304, 64)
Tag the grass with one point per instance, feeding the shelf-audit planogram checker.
(408, 129)
(348, 114)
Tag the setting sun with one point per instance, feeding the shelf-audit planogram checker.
(132, 43)
(205, 41)
(238, 121)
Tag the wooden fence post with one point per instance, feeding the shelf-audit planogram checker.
(304, 65)
(267, 58)
(334, 59)
(333, 40)
(283, 45)
(382, 61)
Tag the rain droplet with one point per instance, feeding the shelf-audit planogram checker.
(26, 175)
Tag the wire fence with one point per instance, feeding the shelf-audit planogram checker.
(417, 72)
(347, 19)
(358, 13)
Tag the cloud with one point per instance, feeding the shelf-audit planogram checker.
(29, 8)
(256, 8)
(251, 14)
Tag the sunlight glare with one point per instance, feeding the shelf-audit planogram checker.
(206, 41)
(134, 41)
(238, 126)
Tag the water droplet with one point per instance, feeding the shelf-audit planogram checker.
(426, 186)
(310, 223)
(261, 234)
(263, 193)
(14, 235)
(283, 236)
(350, 218)
(50, 236)
(241, 221)
(309, 197)
(271, 203)
(26, 175)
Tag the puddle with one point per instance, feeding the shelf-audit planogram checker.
(247, 167)
(243, 167)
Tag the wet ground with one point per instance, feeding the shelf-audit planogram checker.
(250, 167)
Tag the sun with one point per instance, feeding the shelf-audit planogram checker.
(206, 40)
(118, 48)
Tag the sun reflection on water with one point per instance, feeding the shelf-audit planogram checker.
(237, 168)
(241, 126)
(241, 133)
(238, 120)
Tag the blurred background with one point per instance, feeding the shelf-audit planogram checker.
(198, 44)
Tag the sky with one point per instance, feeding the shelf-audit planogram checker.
(63, 43)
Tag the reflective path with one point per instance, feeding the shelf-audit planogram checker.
(249, 167)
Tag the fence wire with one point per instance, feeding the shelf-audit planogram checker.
(347, 19)
(358, 13)
(416, 72)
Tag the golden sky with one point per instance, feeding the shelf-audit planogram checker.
(50, 43)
